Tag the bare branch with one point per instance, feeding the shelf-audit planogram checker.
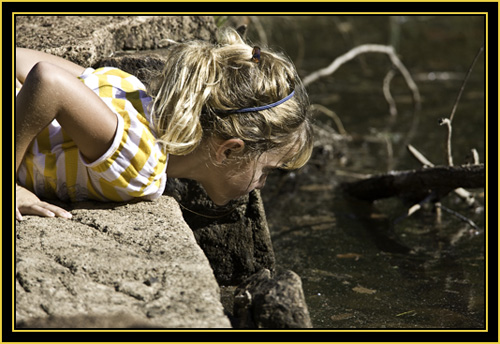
(475, 156)
(417, 184)
(387, 93)
(419, 156)
(447, 122)
(368, 48)
(332, 115)
(461, 217)
(464, 82)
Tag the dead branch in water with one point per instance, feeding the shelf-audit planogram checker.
(387, 92)
(331, 114)
(369, 48)
(479, 52)
(396, 65)
(429, 184)
(447, 121)
(460, 192)
(417, 184)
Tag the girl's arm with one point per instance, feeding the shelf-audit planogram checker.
(53, 92)
(26, 59)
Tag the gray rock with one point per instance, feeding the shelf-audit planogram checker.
(265, 302)
(133, 264)
(235, 237)
(85, 40)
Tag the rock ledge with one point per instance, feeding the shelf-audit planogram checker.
(136, 265)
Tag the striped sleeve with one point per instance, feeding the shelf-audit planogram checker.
(134, 166)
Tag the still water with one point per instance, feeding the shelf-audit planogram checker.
(360, 267)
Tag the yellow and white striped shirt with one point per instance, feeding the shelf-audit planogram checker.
(133, 167)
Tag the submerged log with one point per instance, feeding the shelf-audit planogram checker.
(417, 184)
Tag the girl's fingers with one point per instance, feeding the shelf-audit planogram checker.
(19, 217)
(29, 204)
(36, 209)
(57, 211)
(44, 209)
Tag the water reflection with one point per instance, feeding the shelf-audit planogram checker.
(359, 268)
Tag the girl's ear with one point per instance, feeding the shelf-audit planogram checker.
(228, 148)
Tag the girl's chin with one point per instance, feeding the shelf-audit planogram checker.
(219, 200)
(222, 201)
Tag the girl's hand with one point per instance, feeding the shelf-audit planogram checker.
(29, 204)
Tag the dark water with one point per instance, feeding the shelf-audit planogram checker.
(359, 267)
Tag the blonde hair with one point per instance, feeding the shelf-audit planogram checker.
(202, 82)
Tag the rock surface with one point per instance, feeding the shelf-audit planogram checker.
(86, 40)
(136, 263)
(235, 238)
(263, 301)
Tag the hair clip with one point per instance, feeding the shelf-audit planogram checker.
(256, 54)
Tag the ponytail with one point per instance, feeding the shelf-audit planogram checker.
(179, 101)
(202, 80)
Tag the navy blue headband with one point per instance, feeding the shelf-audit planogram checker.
(263, 107)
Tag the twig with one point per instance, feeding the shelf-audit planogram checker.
(439, 213)
(368, 48)
(419, 156)
(461, 217)
(467, 196)
(345, 58)
(475, 156)
(410, 313)
(387, 93)
(447, 122)
(465, 81)
(416, 207)
(332, 115)
(376, 48)
(390, 153)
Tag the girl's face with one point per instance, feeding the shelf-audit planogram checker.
(234, 178)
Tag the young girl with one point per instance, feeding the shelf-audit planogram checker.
(223, 114)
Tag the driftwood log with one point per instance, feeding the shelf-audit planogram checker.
(415, 185)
